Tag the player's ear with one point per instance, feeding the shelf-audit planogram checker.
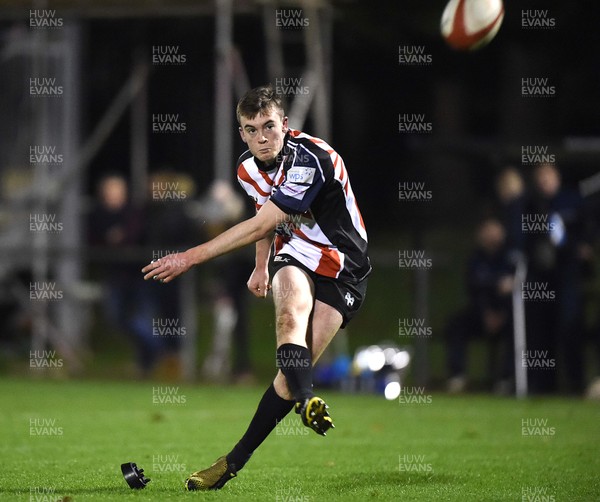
(242, 134)
(285, 124)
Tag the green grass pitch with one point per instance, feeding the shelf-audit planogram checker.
(66, 440)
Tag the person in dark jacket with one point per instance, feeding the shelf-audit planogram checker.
(489, 311)
(554, 239)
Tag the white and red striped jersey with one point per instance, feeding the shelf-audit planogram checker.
(323, 227)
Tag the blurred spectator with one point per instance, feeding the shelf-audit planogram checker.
(593, 227)
(555, 248)
(114, 224)
(510, 190)
(15, 318)
(170, 228)
(489, 312)
(222, 208)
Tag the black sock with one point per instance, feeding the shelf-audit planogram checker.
(271, 410)
(295, 362)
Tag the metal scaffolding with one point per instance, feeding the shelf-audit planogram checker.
(63, 325)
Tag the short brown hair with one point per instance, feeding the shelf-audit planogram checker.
(260, 100)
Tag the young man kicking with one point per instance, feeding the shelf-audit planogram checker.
(309, 229)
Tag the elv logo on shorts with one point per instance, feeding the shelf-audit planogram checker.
(301, 174)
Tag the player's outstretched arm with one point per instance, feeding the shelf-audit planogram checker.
(252, 230)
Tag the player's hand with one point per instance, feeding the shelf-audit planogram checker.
(168, 267)
(258, 284)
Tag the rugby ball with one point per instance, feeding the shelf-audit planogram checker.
(471, 24)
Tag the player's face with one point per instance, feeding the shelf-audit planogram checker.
(264, 135)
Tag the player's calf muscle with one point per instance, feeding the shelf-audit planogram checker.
(281, 386)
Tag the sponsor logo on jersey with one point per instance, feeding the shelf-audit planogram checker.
(301, 174)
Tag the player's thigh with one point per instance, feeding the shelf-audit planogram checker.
(336, 304)
(293, 291)
(293, 295)
(325, 323)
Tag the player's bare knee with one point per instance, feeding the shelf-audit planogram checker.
(287, 322)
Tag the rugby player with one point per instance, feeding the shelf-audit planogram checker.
(311, 238)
